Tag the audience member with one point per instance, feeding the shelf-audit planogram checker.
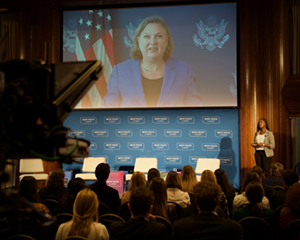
(292, 211)
(207, 224)
(160, 205)
(254, 194)
(137, 180)
(188, 179)
(174, 190)
(106, 194)
(289, 178)
(54, 188)
(208, 175)
(241, 199)
(227, 190)
(85, 219)
(139, 226)
(66, 202)
(268, 189)
(152, 173)
(28, 190)
(275, 179)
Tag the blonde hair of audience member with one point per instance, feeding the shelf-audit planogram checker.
(188, 179)
(85, 212)
(209, 176)
(137, 180)
(160, 205)
(173, 180)
(255, 193)
(277, 169)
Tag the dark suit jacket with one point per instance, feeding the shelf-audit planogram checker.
(138, 228)
(107, 195)
(273, 181)
(207, 226)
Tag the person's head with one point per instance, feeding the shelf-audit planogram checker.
(292, 198)
(188, 178)
(223, 181)
(152, 173)
(137, 180)
(262, 123)
(28, 188)
(290, 177)
(173, 180)
(250, 176)
(152, 39)
(141, 201)
(75, 185)
(207, 196)
(102, 172)
(258, 170)
(56, 179)
(159, 189)
(255, 193)
(85, 212)
(208, 175)
(277, 169)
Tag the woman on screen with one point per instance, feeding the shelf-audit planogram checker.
(152, 78)
(264, 143)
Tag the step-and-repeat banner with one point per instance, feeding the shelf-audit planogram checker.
(175, 137)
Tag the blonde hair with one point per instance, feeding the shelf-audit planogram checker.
(135, 51)
(85, 212)
(137, 180)
(188, 179)
(208, 176)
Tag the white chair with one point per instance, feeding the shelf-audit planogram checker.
(89, 166)
(207, 164)
(143, 165)
(32, 167)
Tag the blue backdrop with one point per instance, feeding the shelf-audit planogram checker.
(175, 137)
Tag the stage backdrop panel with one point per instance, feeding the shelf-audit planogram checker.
(175, 137)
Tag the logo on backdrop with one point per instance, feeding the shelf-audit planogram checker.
(223, 133)
(226, 161)
(128, 39)
(112, 120)
(93, 146)
(161, 120)
(69, 38)
(185, 146)
(148, 133)
(123, 159)
(173, 133)
(136, 146)
(194, 159)
(77, 133)
(172, 160)
(210, 147)
(210, 120)
(88, 120)
(124, 133)
(136, 120)
(232, 87)
(212, 36)
(112, 146)
(160, 146)
(185, 120)
(100, 133)
(198, 133)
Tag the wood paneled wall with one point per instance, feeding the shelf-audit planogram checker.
(263, 63)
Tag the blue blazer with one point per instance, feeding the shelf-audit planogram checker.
(125, 87)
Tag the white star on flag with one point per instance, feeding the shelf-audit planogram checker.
(81, 21)
(87, 36)
(108, 17)
(91, 11)
(89, 23)
(100, 13)
(98, 27)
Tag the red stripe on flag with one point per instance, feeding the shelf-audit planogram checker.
(86, 102)
(108, 45)
(90, 54)
(76, 59)
(101, 86)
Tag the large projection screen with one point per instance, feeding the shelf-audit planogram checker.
(200, 72)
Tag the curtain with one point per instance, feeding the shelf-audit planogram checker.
(295, 35)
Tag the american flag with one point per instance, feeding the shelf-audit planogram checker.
(94, 41)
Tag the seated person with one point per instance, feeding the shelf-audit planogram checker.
(139, 226)
(289, 178)
(276, 175)
(207, 224)
(106, 194)
(152, 173)
(292, 211)
(268, 189)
